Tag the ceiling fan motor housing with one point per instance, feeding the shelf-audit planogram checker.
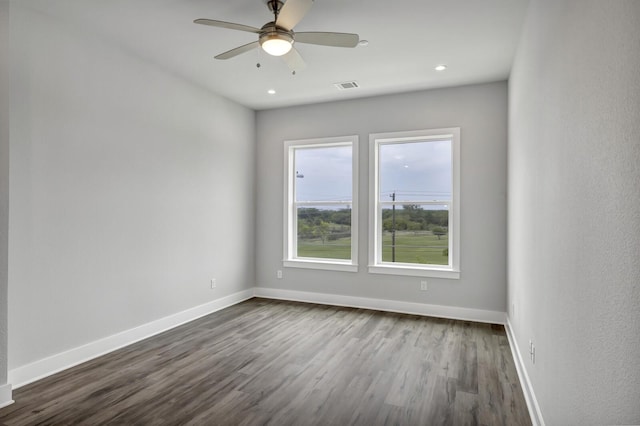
(271, 30)
(281, 35)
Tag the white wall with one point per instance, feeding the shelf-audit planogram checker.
(130, 189)
(4, 185)
(480, 111)
(574, 208)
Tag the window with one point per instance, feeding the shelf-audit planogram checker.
(414, 215)
(320, 215)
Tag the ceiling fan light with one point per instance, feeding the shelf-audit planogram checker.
(276, 44)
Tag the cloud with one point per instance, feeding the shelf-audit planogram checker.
(416, 171)
(327, 174)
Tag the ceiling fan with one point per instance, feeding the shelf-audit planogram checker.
(277, 37)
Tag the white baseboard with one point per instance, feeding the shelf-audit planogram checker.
(40, 369)
(451, 312)
(527, 388)
(5, 395)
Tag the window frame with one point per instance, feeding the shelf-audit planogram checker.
(290, 216)
(376, 265)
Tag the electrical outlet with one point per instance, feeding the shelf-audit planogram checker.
(533, 354)
(279, 274)
(532, 351)
(213, 283)
(423, 285)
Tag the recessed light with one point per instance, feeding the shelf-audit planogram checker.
(440, 68)
(363, 43)
(271, 92)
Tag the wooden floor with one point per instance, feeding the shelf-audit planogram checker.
(285, 363)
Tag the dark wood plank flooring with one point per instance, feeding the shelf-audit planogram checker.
(266, 362)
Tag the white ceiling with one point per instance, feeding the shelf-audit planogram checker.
(407, 39)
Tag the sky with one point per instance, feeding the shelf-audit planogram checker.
(418, 171)
(327, 174)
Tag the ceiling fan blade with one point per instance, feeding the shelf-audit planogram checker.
(294, 61)
(238, 50)
(328, 39)
(229, 25)
(292, 12)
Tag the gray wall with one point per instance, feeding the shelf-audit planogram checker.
(574, 208)
(4, 183)
(481, 113)
(130, 189)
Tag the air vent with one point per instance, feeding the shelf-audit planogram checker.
(346, 85)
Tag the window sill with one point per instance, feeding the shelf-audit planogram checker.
(319, 264)
(414, 272)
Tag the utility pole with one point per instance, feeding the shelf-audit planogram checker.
(393, 227)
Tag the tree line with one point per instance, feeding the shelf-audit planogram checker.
(333, 224)
(413, 217)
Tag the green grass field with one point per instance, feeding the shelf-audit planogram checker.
(337, 249)
(411, 247)
(416, 247)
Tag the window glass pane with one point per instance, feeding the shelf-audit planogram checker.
(324, 232)
(415, 234)
(415, 171)
(323, 174)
